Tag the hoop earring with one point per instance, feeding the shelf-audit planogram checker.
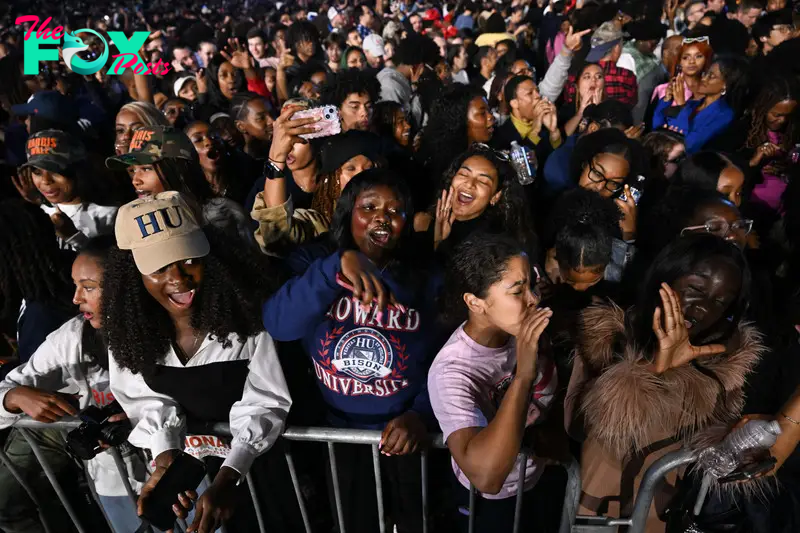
(724, 91)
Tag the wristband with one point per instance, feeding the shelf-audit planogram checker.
(272, 172)
(790, 419)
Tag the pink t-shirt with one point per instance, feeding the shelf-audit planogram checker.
(466, 384)
(771, 189)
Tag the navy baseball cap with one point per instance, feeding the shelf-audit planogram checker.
(51, 105)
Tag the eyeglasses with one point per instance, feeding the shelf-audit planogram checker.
(595, 176)
(690, 40)
(721, 228)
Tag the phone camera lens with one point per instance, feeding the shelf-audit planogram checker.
(327, 117)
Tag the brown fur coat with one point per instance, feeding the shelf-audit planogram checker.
(628, 406)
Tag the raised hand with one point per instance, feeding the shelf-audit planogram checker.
(628, 207)
(587, 98)
(550, 119)
(237, 55)
(573, 40)
(287, 60)
(444, 217)
(679, 89)
(202, 81)
(23, 182)
(532, 327)
(669, 91)
(286, 132)
(674, 348)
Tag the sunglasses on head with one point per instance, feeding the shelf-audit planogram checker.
(690, 40)
(499, 154)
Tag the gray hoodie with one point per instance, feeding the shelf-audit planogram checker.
(396, 88)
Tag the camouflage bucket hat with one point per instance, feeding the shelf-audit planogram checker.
(152, 144)
(54, 151)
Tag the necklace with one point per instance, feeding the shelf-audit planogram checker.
(188, 355)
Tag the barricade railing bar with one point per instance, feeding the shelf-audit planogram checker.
(635, 523)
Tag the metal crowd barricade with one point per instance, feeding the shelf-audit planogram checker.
(331, 436)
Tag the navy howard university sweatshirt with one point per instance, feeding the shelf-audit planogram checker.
(370, 368)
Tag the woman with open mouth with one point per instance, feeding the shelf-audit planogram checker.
(479, 191)
(675, 364)
(226, 174)
(164, 159)
(187, 347)
(364, 312)
(283, 221)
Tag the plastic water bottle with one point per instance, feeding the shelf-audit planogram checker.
(526, 171)
(721, 460)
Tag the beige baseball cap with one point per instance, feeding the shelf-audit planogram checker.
(160, 230)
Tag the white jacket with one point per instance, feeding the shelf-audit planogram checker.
(59, 364)
(256, 421)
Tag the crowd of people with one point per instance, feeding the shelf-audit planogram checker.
(565, 226)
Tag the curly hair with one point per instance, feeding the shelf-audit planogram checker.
(475, 265)
(584, 225)
(92, 341)
(416, 49)
(32, 267)
(139, 331)
(446, 134)
(350, 81)
(777, 89)
(511, 214)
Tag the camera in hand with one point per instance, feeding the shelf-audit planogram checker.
(84, 441)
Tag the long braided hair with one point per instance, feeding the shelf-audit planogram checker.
(32, 267)
(777, 89)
